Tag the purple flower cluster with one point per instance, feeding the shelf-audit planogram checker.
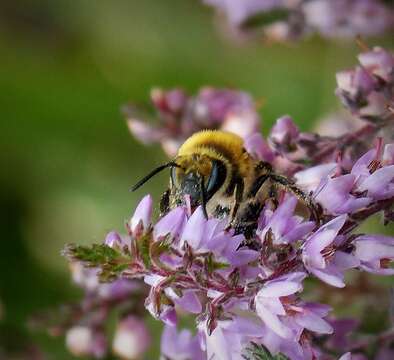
(85, 332)
(292, 152)
(180, 115)
(284, 20)
(84, 324)
(130, 340)
(368, 90)
(251, 291)
(237, 295)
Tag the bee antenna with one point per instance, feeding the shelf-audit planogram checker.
(153, 173)
(203, 198)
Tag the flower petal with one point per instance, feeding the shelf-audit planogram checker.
(189, 302)
(331, 278)
(143, 214)
(279, 288)
(313, 322)
(346, 356)
(368, 249)
(272, 321)
(376, 183)
(193, 233)
(309, 179)
(172, 223)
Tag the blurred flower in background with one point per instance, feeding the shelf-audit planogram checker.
(180, 115)
(284, 20)
(368, 90)
(84, 341)
(131, 339)
(84, 324)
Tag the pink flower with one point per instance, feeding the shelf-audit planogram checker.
(229, 338)
(86, 341)
(258, 148)
(210, 235)
(368, 90)
(270, 308)
(131, 339)
(378, 62)
(180, 346)
(327, 265)
(238, 12)
(287, 316)
(284, 226)
(335, 196)
(375, 252)
(310, 179)
(180, 115)
(284, 132)
(346, 356)
(171, 224)
(113, 240)
(292, 19)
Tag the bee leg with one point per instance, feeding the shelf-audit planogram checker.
(165, 202)
(273, 195)
(256, 186)
(289, 186)
(239, 190)
(245, 222)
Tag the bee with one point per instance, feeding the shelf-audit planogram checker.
(213, 168)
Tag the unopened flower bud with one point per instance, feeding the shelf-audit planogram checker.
(284, 132)
(379, 62)
(171, 102)
(113, 239)
(84, 277)
(142, 216)
(85, 341)
(131, 339)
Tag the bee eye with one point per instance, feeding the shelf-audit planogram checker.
(216, 178)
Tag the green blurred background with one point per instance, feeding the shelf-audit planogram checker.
(67, 158)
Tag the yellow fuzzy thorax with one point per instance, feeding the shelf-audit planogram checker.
(216, 144)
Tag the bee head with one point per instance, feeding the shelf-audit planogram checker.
(198, 176)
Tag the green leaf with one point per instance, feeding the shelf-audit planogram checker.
(95, 255)
(260, 352)
(112, 262)
(143, 244)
